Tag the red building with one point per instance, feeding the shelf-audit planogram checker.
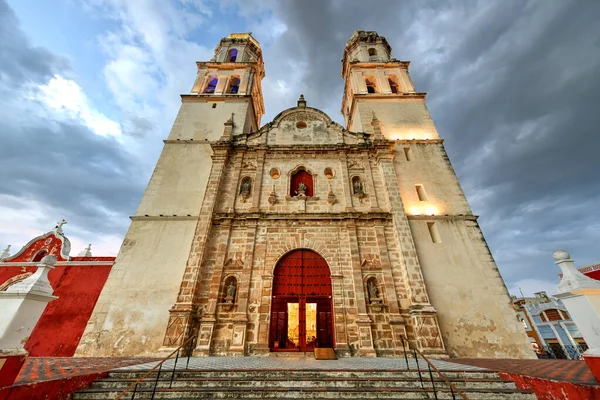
(592, 271)
(77, 281)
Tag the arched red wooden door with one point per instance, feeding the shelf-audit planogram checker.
(301, 310)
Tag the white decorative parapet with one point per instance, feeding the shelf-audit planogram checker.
(581, 296)
(22, 305)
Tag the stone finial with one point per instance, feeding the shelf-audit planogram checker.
(59, 225)
(227, 130)
(376, 128)
(559, 255)
(5, 253)
(301, 101)
(87, 252)
(571, 279)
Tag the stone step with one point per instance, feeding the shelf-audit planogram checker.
(304, 393)
(317, 382)
(300, 374)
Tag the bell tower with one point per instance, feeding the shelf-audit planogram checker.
(375, 82)
(231, 82)
(226, 97)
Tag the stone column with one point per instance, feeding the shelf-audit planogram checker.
(581, 296)
(22, 305)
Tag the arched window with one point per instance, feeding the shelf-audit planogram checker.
(371, 85)
(234, 85)
(301, 184)
(372, 52)
(211, 86)
(393, 81)
(39, 255)
(232, 55)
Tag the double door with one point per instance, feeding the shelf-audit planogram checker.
(301, 324)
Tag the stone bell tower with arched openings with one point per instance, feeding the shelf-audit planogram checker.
(132, 313)
(301, 233)
(461, 278)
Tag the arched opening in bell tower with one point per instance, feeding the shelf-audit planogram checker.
(371, 85)
(234, 85)
(301, 308)
(232, 55)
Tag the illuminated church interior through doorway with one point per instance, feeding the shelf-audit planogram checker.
(301, 312)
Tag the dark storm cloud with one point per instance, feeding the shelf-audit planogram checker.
(61, 165)
(70, 168)
(514, 88)
(20, 61)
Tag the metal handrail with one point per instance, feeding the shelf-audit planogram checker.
(159, 365)
(431, 366)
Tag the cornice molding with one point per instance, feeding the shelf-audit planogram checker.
(164, 217)
(447, 217)
(58, 264)
(208, 97)
(419, 141)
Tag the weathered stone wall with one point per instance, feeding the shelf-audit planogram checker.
(131, 314)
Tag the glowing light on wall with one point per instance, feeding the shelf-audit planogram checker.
(423, 210)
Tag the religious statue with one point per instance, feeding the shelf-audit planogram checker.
(372, 291)
(358, 187)
(301, 189)
(231, 290)
(245, 189)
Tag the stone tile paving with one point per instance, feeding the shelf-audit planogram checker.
(38, 369)
(558, 370)
(300, 363)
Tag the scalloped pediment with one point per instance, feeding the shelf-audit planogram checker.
(303, 126)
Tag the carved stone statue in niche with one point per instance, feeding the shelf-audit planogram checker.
(372, 287)
(231, 290)
(230, 297)
(358, 187)
(301, 189)
(245, 189)
(375, 302)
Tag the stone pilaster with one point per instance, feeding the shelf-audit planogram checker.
(425, 329)
(363, 322)
(258, 178)
(346, 181)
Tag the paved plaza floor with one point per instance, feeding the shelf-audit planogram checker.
(300, 363)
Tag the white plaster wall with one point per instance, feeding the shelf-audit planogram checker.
(197, 119)
(179, 181)
(585, 312)
(473, 306)
(429, 167)
(131, 315)
(400, 118)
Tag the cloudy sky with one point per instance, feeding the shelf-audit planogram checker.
(89, 88)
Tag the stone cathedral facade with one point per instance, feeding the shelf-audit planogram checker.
(304, 233)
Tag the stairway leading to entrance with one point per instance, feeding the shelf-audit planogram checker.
(300, 377)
